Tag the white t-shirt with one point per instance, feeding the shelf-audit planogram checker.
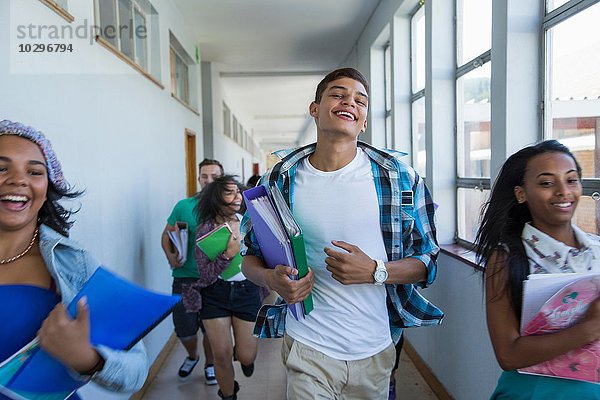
(349, 322)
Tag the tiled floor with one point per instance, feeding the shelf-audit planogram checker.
(268, 381)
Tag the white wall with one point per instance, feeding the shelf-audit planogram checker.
(118, 136)
(225, 149)
(458, 351)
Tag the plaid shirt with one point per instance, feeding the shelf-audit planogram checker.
(406, 215)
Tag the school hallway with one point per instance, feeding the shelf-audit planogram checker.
(267, 383)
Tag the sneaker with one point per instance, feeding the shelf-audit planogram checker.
(209, 375)
(248, 370)
(392, 391)
(236, 388)
(187, 367)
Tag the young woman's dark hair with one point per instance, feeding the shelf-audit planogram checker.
(53, 214)
(338, 74)
(504, 218)
(210, 199)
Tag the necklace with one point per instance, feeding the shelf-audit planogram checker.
(9, 260)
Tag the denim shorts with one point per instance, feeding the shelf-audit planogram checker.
(230, 299)
(186, 324)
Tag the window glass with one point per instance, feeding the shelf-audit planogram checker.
(469, 202)
(587, 215)
(418, 136)
(554, 4)
(387, 73)
(125, 20)
(64, 4)
(139, 33)
(235, 129)
(226, 121)
(473, 122)
(108, 16)
(181, 79)
(573, 86)
(418, 50)
(474, 29)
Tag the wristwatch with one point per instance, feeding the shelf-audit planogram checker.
(380, 275)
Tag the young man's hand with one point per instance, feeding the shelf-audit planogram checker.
(169, 249)
(292, 291)
(173, 259)
(351, 266)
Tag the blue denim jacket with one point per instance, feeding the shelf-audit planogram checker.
(70, 266)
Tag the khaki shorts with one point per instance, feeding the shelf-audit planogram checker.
(313, 375)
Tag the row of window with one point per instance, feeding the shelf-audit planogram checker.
(570, 105)
(130, 28)
(236, 132)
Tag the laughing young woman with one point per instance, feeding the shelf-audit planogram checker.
(527, 229)
(41, 269)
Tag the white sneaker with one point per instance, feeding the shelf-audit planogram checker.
(209, 375)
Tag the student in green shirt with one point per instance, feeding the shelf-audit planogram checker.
(187, 324)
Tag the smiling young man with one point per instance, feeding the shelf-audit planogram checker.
(367, 222)
(187, 324)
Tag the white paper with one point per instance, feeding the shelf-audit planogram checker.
(539, 288)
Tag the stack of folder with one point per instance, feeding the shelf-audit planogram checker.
(278, 235)
(179, 238)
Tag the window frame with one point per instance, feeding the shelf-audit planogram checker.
(149, 42)
(59, 9)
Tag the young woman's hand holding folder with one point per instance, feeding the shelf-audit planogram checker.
(233, 245)
(293, 291)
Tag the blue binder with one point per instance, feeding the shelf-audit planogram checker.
(121, 314)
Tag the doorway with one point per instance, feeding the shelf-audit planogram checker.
(190, 163)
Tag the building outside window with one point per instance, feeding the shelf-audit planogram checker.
(473, 112)
(572, 93)
(417, 51)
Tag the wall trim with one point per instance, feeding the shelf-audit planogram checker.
(107, 45)
(59, 10)
(156, 366)
(428, 375)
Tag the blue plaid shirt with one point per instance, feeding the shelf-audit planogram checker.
(406, 215)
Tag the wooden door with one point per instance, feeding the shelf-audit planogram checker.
(190, 163)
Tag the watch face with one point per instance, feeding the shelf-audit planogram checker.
(380, 276)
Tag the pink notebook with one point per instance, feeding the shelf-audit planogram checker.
(562, 310)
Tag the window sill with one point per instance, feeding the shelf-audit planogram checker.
(106, 44)
(461, 253)
(186, 105)
(59, 10)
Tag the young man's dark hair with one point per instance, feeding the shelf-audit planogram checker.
(337, 74)
(208, 161)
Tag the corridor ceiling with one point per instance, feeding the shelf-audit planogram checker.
(272, 54)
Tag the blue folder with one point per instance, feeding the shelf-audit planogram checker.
(277, 250)
(121, 314)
